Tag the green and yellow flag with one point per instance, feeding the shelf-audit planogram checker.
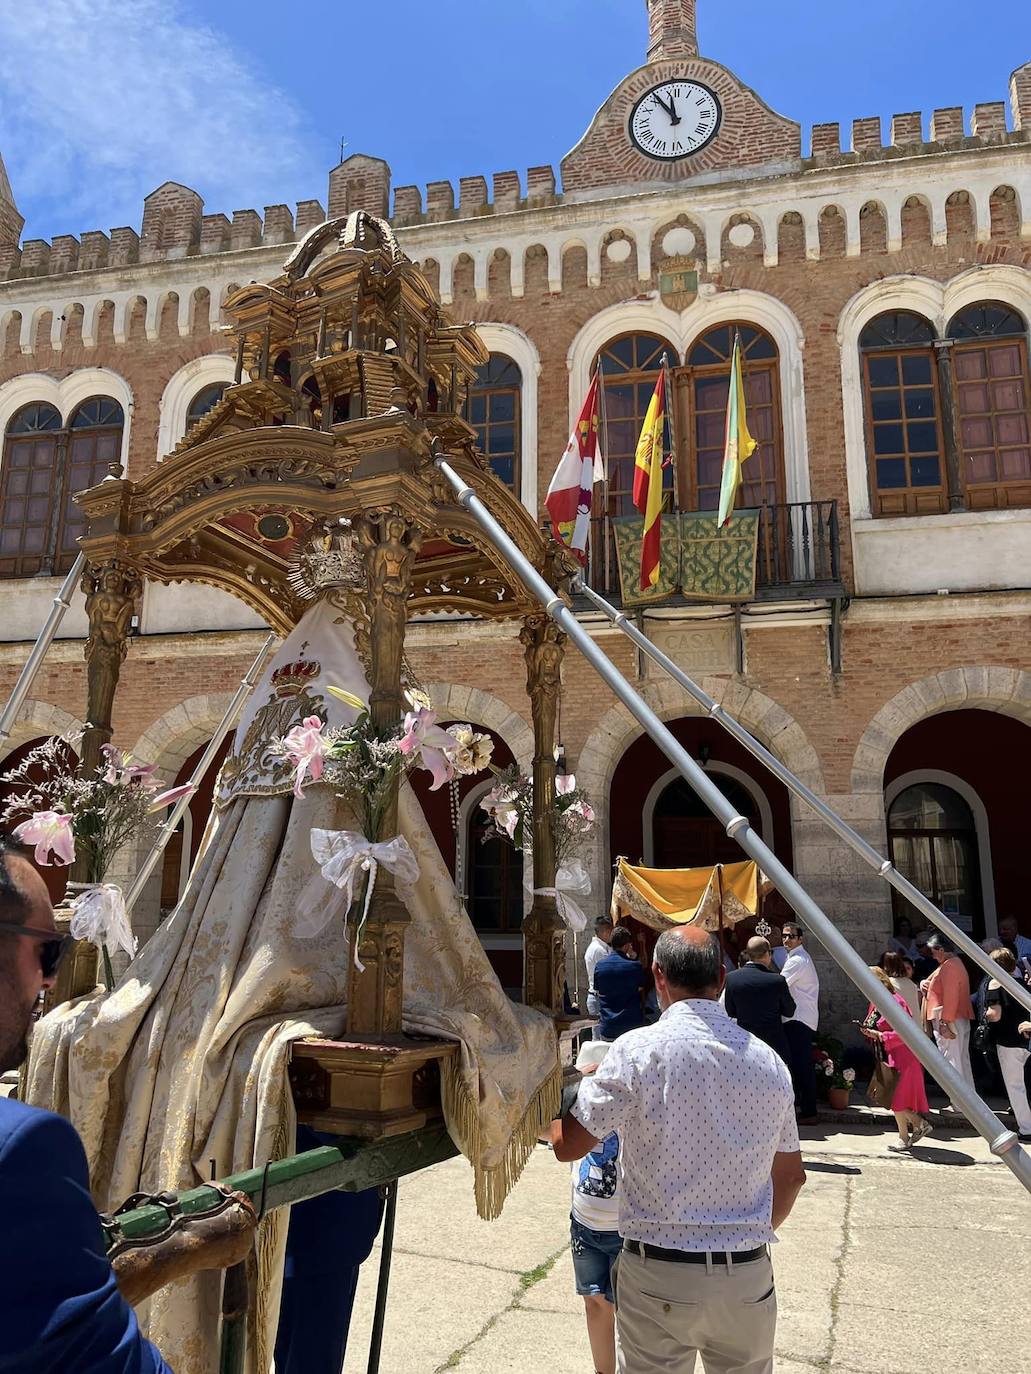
(739, 443)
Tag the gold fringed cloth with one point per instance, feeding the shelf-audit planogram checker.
(711, 898)
(186, 1062)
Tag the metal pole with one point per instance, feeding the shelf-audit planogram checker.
(386, 1255)
(167, 829)
(39, 650)
(884, 867)
(1001, 1141)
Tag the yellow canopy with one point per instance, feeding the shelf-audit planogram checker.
(662, 897)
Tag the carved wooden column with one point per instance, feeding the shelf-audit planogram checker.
(111, 592)
(543, 930)
(390, 544)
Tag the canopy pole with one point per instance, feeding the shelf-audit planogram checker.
(386, 1256)
(168, 827)
(27, 676)
(882, 866)
(1001, 1141)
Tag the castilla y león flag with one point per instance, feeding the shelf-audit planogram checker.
(648, 482)
(569, 497)
(739, 443)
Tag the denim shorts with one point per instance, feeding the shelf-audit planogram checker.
(594, 1254)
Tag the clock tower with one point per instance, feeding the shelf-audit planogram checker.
(671, 29)
(679, 117)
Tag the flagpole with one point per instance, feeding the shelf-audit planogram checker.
(603, 440)
(672, 431)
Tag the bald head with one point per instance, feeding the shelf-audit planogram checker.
(759, 951)
(687, 962)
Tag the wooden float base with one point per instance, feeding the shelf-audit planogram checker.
(369, 1088)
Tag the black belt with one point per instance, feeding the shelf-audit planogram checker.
(659, 1252)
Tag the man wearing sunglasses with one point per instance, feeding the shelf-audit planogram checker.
(60, 1308)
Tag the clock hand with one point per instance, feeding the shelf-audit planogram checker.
(668, 108)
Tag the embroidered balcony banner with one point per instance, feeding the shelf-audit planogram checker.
(718, 564)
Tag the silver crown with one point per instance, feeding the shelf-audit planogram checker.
(329, 557)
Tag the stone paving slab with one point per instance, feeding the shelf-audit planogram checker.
(887, 1266)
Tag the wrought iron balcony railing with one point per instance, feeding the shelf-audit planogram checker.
(798, 553)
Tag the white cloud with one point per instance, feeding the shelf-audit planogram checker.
(103, 100)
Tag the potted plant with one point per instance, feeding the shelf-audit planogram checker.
(840, 1086)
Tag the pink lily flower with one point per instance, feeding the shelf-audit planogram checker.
(51, 833)
(173, 794)
(565, 783)
(306, 750)
(431, 746)
(120, 767)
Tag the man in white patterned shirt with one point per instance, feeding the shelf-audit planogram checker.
(711, 1167)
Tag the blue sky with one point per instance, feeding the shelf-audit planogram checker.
(247, 100)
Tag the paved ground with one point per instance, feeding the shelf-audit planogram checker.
(888, 1266)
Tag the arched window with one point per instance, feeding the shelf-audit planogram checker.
(630, 367)
(30, 458)
(494, 411)
(904, 435)
(932, 840)
(43, 466)
(993, 405)
(707, 381)
(206, 399)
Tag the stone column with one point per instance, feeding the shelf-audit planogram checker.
(111, 592)
(543, 930)
(389, 545)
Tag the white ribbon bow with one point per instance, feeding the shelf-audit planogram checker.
(571, 877)
(100, 917)
(342, 855)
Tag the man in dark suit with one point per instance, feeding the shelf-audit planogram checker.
(758, 998)
(60, 1308)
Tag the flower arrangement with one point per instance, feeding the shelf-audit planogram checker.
(828, 1057)
(362, 763)
(509, 805)
(76, 816)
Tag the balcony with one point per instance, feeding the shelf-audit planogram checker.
(797, 557)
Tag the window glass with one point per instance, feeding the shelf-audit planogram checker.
(205, 400)
(904, 437)
(493, 409)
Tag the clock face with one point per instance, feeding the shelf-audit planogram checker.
(674, 120)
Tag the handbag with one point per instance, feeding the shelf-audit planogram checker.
(880, 1091)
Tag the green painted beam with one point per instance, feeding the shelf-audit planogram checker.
(352, 1165)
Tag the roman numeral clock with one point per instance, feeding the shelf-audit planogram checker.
(674, 120)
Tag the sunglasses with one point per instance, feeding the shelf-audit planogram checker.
(52, 948)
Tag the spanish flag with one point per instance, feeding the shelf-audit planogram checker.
(648, 482)
(739, 443)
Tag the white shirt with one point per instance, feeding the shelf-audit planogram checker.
(701, 1107)
(804, 982)
(596, 950)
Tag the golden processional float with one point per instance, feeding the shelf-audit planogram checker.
(340, 460)
(316, 474)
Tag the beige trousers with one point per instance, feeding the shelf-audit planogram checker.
(667, 1313)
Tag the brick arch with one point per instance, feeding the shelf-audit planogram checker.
(39, 718)
(1007, 690)
(757, 712)
(170, 740)
(453, 702)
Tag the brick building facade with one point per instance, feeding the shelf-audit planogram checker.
(883, 294)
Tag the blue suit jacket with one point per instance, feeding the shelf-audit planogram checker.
(60, 1311)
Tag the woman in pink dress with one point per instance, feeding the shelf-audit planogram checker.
(910, 1098)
